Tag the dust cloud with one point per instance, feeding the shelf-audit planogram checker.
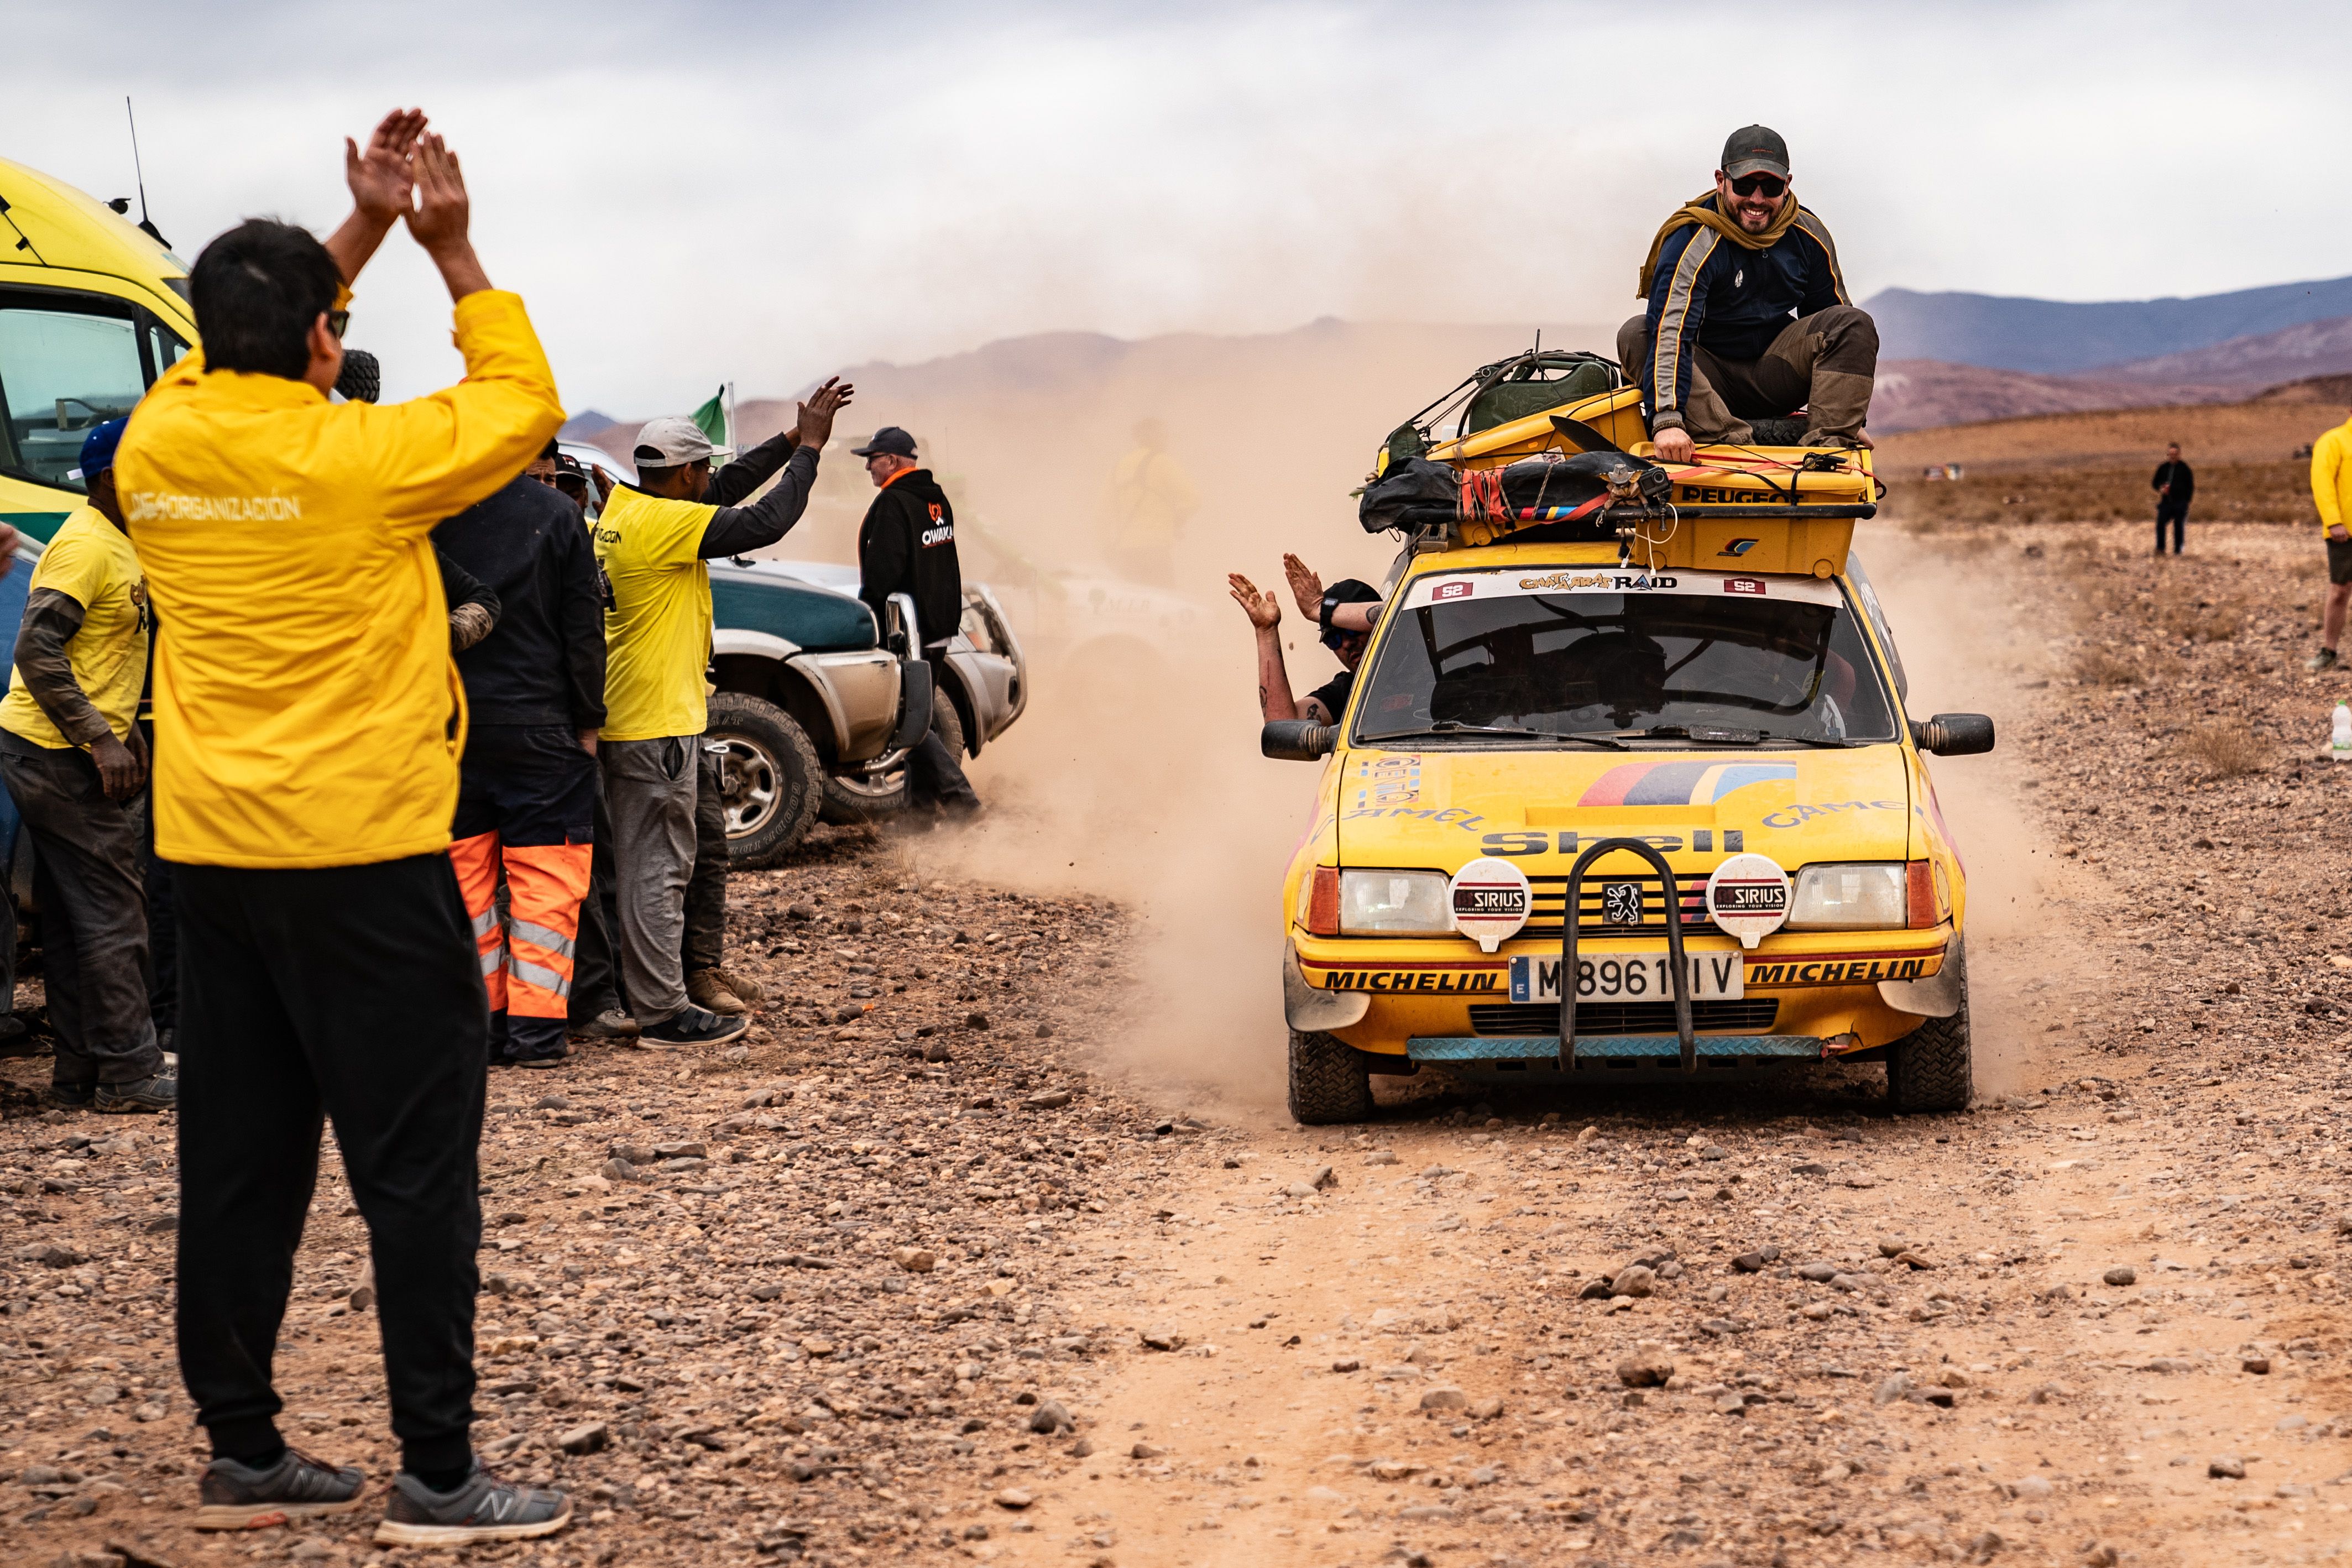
(1974, 651)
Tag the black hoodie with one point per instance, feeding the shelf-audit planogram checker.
(907, 545)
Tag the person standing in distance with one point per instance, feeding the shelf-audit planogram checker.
(308, 723)
(2331, 492)
(2175, 484)
(76, 765)
(652, 541)
(907, 545)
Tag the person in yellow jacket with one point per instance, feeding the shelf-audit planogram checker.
(308, 722)
(2331, 492)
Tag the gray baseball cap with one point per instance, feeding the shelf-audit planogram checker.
(671, 441)
(1755, 149)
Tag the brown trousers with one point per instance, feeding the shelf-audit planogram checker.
(1824, 364)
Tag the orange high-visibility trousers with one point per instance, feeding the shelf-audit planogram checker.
(526, 957)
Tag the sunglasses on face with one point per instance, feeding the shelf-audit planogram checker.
(1759, 185)
(336, 322)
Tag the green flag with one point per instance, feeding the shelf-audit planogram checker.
(711, 418)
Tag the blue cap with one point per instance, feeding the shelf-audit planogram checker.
(97, 448)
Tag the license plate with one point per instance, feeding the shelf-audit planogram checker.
(1631, 977)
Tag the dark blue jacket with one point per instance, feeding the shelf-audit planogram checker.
(1730, 300)
(544, 664)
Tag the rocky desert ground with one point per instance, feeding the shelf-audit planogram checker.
(935, 1270)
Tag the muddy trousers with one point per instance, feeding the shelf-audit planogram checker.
(350, 994)
(1825, 364)
(93, 914)
(526, 809)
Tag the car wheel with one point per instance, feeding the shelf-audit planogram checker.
(854, 798)
(1929, 1068)
(1329, 1081)
(768, 777)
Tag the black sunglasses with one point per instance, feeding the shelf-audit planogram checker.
(336, 322)
(1758, 184)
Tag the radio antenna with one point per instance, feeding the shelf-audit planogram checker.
(145, 223)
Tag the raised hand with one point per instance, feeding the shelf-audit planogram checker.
(1305, 586)
(439, 219)
(1264, 614)
(815, 427)
(379, 177)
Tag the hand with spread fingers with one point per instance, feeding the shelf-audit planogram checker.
(1263, 612)
(379, 176)
(815, 427)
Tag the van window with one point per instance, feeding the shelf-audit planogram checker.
(62, 370)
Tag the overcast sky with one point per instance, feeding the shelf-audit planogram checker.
(690, 193)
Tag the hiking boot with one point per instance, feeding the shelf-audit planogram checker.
(708, 988)
(484, 1509)
(606, 1026)
(743, 984)
(71, 1096)
(160, 1093)
(554, 1060)
(238, 1497)
(691, 1025)
(2326, 658)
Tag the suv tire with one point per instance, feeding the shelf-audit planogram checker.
(851, 802)
(1329, 1081)
(1928, 1068)
(771, 776)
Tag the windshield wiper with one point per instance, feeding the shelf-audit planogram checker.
(1455, 727)
(1830, 741)
(1715, 734)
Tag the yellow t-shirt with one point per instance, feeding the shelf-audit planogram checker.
(658, 634)
(92, 562)
(307, 710)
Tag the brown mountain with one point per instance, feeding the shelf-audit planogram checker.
(2264, 359)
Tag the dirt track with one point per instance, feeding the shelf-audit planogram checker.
(1398, 1364)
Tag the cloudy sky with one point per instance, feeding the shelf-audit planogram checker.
(692, 192)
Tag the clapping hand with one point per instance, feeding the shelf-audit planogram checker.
(379, 177)
(1264, 614)
(815, 427)
(1305, 586)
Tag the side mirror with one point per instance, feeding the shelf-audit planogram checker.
(1297, 740)
(1953, 734)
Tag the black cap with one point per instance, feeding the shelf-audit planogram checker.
(890, 439)
(1346, 591)
(1755, 149)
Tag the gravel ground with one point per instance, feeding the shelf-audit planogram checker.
(878, 1291)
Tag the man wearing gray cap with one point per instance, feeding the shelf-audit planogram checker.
(652, 541)
(1748, 316)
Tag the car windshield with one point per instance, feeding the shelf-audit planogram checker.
(1681, 660)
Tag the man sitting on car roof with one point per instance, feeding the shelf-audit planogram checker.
(1748, 316)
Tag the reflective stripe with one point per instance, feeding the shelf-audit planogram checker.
(532, 973)
(494, 960)
(554, 942)
(1665, 363)
(486, 923)
(1820, 231)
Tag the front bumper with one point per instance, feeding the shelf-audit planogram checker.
(1439, 999)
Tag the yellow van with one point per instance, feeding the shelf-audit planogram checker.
(1664, 698)
(92, 310)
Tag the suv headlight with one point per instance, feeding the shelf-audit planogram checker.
(1395, 903)
(1850, 897)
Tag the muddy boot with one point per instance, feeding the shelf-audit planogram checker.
(708, 988)
(743, 984)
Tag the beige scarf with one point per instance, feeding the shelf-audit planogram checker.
(1703, 211)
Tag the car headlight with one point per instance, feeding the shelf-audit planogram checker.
(1850, 897)
(1395, 903)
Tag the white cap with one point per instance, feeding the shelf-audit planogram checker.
(671, 441)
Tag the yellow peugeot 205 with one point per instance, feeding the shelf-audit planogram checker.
(1665, 698)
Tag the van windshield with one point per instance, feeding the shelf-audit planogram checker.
(1615, 656)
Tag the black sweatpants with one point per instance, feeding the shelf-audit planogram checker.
(2178, 518)
(353, 993)
(596, 961)
(705, 946)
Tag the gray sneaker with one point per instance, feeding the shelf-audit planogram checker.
(238, 1497)
(610, 1025)
(484, 1509)
(2326, 658)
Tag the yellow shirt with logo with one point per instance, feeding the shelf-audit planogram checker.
(308, 712)
(92, 562)
(658, 634)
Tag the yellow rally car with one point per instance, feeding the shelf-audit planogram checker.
(1666, 697)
